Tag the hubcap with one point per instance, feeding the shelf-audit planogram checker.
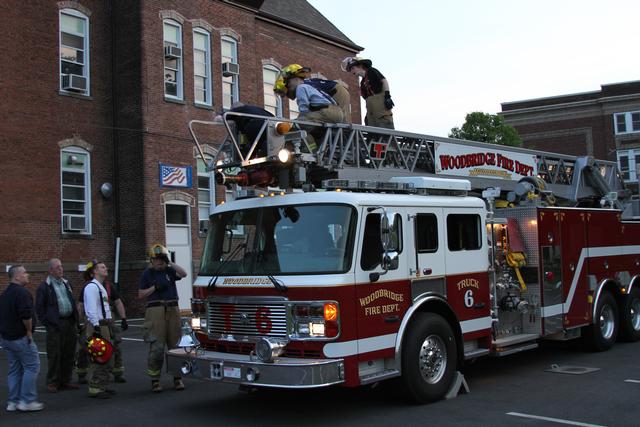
(433, 359)
(635, 314)
(607, 322)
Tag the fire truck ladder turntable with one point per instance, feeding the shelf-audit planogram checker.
(356, 152)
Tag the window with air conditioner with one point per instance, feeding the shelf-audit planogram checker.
(202, 67)
(74, 52)
(172, 43)
(75, 191)
(272, 102)
(230, 91)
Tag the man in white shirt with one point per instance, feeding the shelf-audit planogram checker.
(98, 314)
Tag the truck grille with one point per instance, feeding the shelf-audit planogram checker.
(247, 317)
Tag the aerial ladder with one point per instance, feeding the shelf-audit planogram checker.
(295, 154)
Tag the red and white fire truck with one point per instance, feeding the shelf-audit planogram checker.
(354, 254)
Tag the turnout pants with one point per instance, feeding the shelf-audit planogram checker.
(161, 330)
(343, 99)
(377, 114)
(82, 356)
(100, 374)
(61, 348)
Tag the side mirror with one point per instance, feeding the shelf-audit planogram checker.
(387, 226)
(390, 261)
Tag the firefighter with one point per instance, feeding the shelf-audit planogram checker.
(117, 307)
(162, 316)
(333, 88)
(100, 321)
(374, 88)
(248, 128)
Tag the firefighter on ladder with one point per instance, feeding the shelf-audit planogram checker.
(374, 88)
(162, 316)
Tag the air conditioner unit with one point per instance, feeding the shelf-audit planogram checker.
(203, 226)
(73, 223)
(172, 52)
(74, 82)
(230, 69)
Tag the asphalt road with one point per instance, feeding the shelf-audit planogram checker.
(501, 388)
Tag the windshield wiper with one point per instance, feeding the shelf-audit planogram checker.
(223, 263)
(278, 284)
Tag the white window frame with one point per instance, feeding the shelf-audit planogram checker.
(211, 189)
(294, 111)
(634, 171)
(628, 122)
(268, 89)
(87, 189)
(179, 71)
(209, 96)
(86, 65)
(235, 91)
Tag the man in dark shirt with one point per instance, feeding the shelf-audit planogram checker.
(56, 310)
(248, 128)
(374, 88)
(162, 316)
(16, 337)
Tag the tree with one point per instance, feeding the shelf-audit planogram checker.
(491, 128)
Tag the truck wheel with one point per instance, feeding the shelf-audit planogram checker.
(630, 318)
(602, 334)
(429, 356)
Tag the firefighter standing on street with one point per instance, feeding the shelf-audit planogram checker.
(117, 307)
(99, 319)
(374, 88)
(162, 316)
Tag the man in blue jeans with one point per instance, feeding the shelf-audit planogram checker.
(16, 336)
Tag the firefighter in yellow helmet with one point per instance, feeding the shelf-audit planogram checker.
(162, 316)
(374, 88)
(314, 105)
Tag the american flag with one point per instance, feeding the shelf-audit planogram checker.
(175, 176)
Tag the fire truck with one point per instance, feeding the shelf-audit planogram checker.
(354, 254)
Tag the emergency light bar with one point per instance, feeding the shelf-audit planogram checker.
(405, 184)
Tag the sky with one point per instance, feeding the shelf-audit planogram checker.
(444, 59)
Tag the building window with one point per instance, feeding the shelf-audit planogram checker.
(272, 102)
(230, 93)
(202, 66)
(74, 52)
(206, 194)
(463, 232)
(628, 122)
(76, 193)
(294, 112)
(172, 36)
(629, 164)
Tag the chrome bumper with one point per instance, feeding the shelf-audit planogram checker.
(284, 372)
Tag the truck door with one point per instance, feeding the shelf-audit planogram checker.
(427, 267)
(381, 302)
(574, 270)
(549, 237)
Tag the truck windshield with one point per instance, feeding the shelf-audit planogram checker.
(300, 239)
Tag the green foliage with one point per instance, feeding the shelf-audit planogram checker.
(489, 128)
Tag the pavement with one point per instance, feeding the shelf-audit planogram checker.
(510, 391)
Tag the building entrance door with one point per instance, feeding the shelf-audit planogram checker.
(178, 232)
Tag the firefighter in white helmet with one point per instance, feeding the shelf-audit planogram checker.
(374, 88)
(162, 316)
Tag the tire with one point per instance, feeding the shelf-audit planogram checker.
(429, 358)
(602, 334)
(630, 316)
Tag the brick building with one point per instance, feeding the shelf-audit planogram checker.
(97, 96)
(604, 124)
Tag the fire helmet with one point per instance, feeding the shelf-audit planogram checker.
(159, 251)
(351, 61)
(296, 70)
(280, 87)
(99, 349)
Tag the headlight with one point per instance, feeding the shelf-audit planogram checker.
(311, 320)
(198, 323)
(284, 155)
